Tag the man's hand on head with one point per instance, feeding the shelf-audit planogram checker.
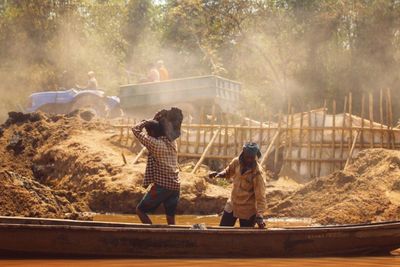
(160, 114)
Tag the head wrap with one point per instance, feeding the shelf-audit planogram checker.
(250, 149)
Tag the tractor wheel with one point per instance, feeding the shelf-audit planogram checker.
(91, 102)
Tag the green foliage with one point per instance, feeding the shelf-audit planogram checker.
(305, 51)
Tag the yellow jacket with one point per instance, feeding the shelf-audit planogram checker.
(248, 193)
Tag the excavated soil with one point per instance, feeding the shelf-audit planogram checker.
(367, 191)
(61, 166)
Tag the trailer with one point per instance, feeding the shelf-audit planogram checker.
(196, 96)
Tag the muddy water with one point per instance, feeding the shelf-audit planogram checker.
(211, 220)
(208, 220)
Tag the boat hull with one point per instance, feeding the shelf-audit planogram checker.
(102, 240)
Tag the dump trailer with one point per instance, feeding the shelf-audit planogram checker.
(66, 101)
(196, 96)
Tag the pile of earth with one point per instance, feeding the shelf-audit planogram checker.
(65, 165)
(367, 191)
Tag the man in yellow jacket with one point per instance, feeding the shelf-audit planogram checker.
(247, 201)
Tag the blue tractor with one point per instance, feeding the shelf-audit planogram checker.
(63, 102)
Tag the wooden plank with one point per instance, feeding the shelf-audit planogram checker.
(206, 151)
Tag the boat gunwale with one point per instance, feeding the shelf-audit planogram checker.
(42, 221)
(218, 230)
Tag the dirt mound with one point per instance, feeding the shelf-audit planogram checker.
(369, 190)
(66, 164)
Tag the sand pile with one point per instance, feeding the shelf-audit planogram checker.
(66, 164)
(22, 136)
(369, 190)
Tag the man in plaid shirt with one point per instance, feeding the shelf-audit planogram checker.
(161, 172)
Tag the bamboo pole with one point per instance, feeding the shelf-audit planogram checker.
(205, 151)
(333, 133)
(198, 130)
(220, 139)
(127, 133)
(260, 134)
(350, 117)
(133, 143)
(226, 140)
(250, 132)
(381, 114)
(393, 139)
(371, 119)
(300, 142)
(388, 142)
(343, 125)
(121, 134)
(242, 137)
(212, 126)
(265, 156)
(235, 133)
(187, 137)
(290, 136)
(322, 140)
(285, 145)
(139, 155)
(309, 153)
(362, 120)
(278, 140)
(124, 158)
(269, 127)
(349, 157)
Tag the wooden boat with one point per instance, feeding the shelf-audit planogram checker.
(33, 237)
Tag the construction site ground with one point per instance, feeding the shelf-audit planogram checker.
(69, 166)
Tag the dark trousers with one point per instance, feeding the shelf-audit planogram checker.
(229, 220)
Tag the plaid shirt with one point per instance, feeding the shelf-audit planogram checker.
(162, 162)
